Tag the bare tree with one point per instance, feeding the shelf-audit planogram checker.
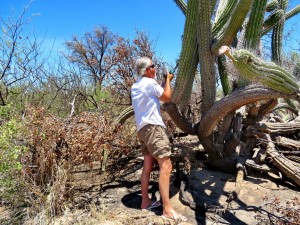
(126, 53)
(20, 56)
(93, 53)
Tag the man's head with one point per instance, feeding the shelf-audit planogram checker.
(145, 67)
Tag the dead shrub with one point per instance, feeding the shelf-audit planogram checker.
(56, 145)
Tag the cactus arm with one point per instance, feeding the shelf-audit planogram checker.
(272, 20)
(188, 58)
(271, 6)
(234, 24)
(180, 121)
(206, 59)
(223, 15)
(182, 5)
(288, 15)
(224, 75)
(220, 10)
(269, 74)
(277, 36)
(291, 104)
(124, 115)
(254, 25)
(232, 102)
(292, 12)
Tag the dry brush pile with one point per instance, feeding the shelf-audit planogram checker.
(58, 150)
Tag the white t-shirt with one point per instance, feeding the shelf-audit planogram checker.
(145, 95)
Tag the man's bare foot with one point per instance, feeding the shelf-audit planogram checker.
(150, 205)
(173, 215)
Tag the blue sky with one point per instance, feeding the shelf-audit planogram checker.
(60, 20)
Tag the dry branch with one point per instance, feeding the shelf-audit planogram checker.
(285, 165)
(277, 128)
(287, 142)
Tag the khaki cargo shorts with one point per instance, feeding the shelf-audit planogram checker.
(154, 141)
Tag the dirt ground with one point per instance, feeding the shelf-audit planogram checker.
(208, 197)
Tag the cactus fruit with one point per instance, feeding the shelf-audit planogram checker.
(267, 73)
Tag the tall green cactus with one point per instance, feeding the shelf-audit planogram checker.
(233, 25)
(277, 35)
(206, 59)
(254, 25)
(223, 15)
(188, 57)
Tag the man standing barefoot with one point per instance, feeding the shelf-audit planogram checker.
(146, 94)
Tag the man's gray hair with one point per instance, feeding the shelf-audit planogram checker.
(141, 65)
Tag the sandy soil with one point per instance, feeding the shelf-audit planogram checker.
(264, 198)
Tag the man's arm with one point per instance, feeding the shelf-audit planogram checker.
(166, 95)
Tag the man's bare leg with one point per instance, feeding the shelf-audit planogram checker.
(145, 178)
(165, 166)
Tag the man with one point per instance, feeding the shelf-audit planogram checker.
(146, 94)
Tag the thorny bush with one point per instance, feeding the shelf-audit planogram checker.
(55, 144)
